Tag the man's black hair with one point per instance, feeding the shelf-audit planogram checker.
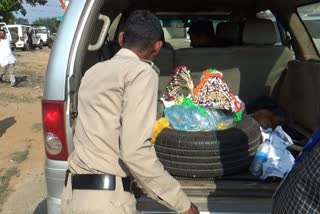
(201, 27)
(142, 29)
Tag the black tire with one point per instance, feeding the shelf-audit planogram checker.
(40, 45)
(209, 154)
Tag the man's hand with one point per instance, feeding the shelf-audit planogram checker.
(192, 210)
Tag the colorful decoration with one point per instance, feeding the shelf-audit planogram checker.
(159, 126)
(238, 116)
(213, 92)
(188, 102)
(180, 83)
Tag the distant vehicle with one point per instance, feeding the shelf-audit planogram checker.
(45, 35)
(22, 38)
(4, 26)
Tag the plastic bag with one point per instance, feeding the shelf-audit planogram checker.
(195, 118)
(219, 118)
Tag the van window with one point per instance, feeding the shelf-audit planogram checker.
(41, 30)
(13, 29)
(310, 15)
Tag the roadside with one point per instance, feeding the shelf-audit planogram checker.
(22, 184)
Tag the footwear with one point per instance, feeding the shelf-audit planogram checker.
(14, 85)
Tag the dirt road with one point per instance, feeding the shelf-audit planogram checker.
(22, 184)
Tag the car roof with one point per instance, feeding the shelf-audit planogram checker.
(209, 5)
(18, 25)
(39, 27)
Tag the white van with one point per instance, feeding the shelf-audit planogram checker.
(22, 42)
(20, 30)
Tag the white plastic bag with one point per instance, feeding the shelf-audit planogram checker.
(280, 160)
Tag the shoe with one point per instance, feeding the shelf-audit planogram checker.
(14, 85)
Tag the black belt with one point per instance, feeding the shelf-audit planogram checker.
(97, 182)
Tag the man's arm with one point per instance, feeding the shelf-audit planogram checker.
(138, 119)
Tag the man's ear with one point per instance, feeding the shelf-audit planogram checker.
(157, 46)
(120, 38)
(155, 50)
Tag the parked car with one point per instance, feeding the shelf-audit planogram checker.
(22, 38)
(213, 184)
(45, 35)
(36, 39)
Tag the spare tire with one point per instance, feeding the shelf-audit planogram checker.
(209, 154)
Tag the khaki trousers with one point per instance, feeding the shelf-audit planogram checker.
(5, 69)
(98, 201)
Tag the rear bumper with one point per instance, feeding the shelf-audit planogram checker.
(20, 44)
(55, 174)
(53, 205)
(212, 205)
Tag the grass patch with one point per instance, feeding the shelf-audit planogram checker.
(20, 156)
(4, 183)
(11, 98)
(17, 158)
(37, 127)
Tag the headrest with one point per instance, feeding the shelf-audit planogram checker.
(201, 27)
(259, 32)
(228, 32)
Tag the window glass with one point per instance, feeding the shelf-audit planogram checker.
(176, 31)
(310, 14)
(41, 30)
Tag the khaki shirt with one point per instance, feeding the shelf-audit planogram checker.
(117, 112)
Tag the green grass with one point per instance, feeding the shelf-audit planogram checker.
(4, 183)
(17, 158)
(20, 156)
(11, 98)
(37, 127)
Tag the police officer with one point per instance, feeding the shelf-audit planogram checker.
(116, 115)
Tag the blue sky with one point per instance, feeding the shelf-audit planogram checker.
(51, 9)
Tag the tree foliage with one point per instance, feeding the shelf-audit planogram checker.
(7, 7)
(50, 23)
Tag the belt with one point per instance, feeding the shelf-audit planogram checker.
(97, 182)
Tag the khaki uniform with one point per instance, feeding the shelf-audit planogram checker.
(117, 112)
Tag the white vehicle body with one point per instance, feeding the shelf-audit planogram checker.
(21, 29)
(23, 38)
(43, 33)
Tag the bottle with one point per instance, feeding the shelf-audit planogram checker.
(260, 157)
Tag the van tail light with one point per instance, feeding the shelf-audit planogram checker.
(54, 131)
(22, 38)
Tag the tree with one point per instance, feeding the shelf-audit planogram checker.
(50, 23)
(7, 7)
